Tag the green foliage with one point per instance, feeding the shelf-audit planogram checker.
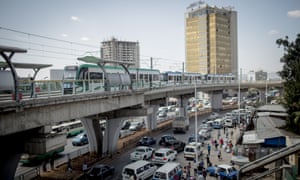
(291, 76)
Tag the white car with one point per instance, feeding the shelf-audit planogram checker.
(163, 155)
(204, 133)
(192, 150)
(142, 153)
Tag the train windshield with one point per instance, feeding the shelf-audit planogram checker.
(70, 72)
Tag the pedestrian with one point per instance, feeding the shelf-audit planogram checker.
(219, 155)
(204, 173)
(184, 173)
(84, 167)
(224, 128)
(32, 87)
(208, 149)
(69, 166)
(221, 142)
(45, 165)
(52, 162)
(201, 165)
(231, 133)
(188, 170)
(208, 161)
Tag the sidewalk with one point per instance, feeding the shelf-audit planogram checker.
(226, 157)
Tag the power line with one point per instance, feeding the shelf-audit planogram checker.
(45, 37)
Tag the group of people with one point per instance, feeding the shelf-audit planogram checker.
(199, 171)
(51, 160)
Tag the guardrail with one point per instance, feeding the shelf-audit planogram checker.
(34, 172)
(50, 88)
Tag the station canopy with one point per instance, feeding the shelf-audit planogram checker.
(4, 65)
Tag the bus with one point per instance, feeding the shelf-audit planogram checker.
(71, 128)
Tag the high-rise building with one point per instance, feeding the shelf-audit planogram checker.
(124, 51)
(211, 39)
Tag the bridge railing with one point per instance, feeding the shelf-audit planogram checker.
(49, 88)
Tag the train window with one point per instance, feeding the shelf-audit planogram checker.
(95, 75)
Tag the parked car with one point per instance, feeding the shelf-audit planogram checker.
(146, 141)
(163, 155)
(191, 138)
(192, 150)
(205, 133)
(135, 126)
(138, 170)
(166, 139)
(206, 126)
(142, 153)
(100, 171)
(80, 139)
(176, 145)
(224, 171)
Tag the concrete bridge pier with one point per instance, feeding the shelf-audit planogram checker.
(216, 100)
(13, 147)
(94, 134)
(114, 125)
(111, 134)
(183, 102)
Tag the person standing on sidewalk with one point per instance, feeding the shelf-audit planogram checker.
(219, 155)
(208, 149)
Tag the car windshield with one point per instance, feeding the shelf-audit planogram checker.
(188, 149)
(159, 154)
(95, 171)
(129, 172)
(160, 175)
(139, 150)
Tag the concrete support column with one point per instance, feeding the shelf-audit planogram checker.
(13, 147)
(94, 134)
(216, 101)
(183, 102)
(111, 135)
(151, 122)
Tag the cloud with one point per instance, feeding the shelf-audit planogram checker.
(64, 35)
(294, 14)
(273, 32)
(84, 38)
(75, 18)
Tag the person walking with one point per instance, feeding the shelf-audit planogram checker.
(52, 162)
(219, 155)
(208, 149)
(69, 166)
(188, 170)
(204, 173)
(208, 163)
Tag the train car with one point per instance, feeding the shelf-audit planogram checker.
(90, 77)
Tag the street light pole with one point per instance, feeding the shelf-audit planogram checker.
(239, 96)
(196, 126)
(267, 89)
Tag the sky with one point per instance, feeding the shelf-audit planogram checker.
(58, 31)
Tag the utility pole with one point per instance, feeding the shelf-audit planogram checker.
(182, 74)
(151, 67)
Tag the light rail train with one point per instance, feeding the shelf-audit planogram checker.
(90, 77)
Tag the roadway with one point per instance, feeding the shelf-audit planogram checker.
(121, 159)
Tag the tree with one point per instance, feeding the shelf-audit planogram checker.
(291, 76)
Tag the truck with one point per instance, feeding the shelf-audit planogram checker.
(181, 124)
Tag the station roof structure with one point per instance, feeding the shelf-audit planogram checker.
(4, 65)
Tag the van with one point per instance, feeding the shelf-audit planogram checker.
(192, 150)
(140, 169)
(228, 123)
(218, 123)
(169, 171)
